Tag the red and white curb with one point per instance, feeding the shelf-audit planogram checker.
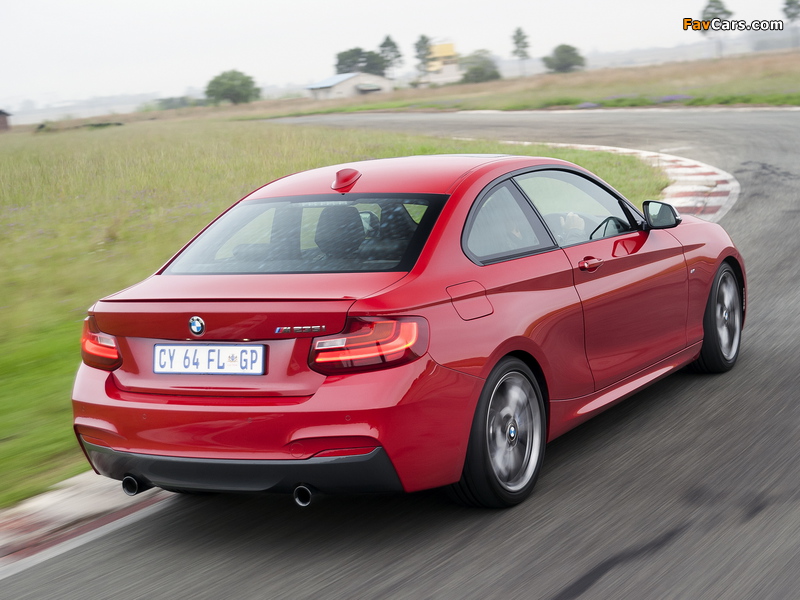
(695, 188)
(71, 509)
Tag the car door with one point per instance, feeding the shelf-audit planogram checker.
(527, 289)
(632, 283)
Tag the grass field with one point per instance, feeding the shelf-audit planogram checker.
(84, 213)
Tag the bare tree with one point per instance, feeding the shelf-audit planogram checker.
(715, 9)
(422, 52)
(521, 48)
(390, 53)
(791, 8)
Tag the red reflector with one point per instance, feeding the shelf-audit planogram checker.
(371, 343)
(99, 349)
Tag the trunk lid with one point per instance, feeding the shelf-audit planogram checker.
(281, 312)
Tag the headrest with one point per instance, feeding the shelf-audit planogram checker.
(396, 223)
(340, 231)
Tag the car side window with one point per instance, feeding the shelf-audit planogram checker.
(503, 225)
(575, 209)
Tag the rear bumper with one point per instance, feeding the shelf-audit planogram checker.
(372, 472)
(417, 415)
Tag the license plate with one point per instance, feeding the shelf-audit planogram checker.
(208, 359)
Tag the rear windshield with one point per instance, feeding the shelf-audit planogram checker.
(313, 234)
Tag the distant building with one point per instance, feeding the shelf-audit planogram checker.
(349, 85)
(444, 66)
(4, 126)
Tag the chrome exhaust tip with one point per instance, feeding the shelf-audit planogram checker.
(302, 495)
(132, 486)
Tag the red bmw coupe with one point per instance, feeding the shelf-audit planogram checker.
(397, 325)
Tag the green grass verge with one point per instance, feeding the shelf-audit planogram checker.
(512, 103)
(86, 212)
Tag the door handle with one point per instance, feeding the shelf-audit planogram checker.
(590, 264)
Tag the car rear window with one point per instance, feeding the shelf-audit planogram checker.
(314, 234)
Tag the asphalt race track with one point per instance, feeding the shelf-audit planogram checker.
(691, 489)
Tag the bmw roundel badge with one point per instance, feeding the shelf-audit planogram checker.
(197, 326)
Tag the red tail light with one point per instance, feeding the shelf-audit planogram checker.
(99, 349)
(368, 344)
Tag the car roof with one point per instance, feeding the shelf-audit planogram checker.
(425, 174)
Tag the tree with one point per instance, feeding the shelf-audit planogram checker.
(233, 86)
(715, 9)
(791, 8)
(479, 67)
(374, 63)
(349, 61)
(390, 53)
(422, 52)
(520, 48)
(357, 60)
(564, 59)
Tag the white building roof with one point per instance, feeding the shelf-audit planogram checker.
(331, 81)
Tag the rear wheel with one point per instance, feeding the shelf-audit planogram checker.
(506, 445)
(722, 324)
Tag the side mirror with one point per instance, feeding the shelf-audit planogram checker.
(660, 215)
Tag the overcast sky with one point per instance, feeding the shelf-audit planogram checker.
(59, 50)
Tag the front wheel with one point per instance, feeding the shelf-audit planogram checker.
(722, 324)
(506, 445)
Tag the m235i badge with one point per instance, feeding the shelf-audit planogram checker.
(301, 329)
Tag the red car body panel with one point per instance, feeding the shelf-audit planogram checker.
(593, 337)
(641, 282)
(706, 246)
(408, 174)
(341, 415)
(567, 414)
(324, 286)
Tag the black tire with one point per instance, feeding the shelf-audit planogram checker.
(722, 324)
(507, 440)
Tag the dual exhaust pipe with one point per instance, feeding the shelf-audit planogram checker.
(302, 493)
